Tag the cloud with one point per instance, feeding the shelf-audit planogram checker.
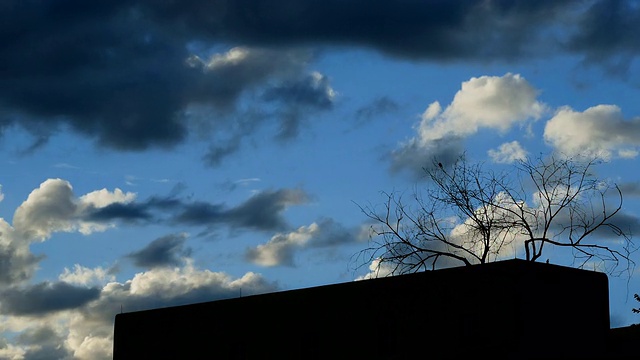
(42, 343)
(227, 75)
(377, 269)
(598, 131)
(605, 34)
(415, 157)
(90, 334)
(303, 96)
(53, 207)
(378, 106)
(165, 251)
(63, 321)
(486, 102)
(221, 150)
(630, 188)
(45, 297)
(114, 74)
(128, 74)
(281, 248)
(262, 211)
(508, 153)
(17, 263)
(411, 29)
(81, 275)
(312, 90)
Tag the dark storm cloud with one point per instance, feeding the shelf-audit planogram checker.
(124, 73)
(45, 297)
(311, 90)
(262, 211)
(100, 68)
(410, 28)
(165, 251)
(609, 29)
(108, 71)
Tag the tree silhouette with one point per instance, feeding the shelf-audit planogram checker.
(467, 214)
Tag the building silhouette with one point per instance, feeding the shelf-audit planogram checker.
(511, 309)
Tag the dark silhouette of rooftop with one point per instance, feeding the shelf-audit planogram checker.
(508, 309)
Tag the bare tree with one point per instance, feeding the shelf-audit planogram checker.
(467, 214)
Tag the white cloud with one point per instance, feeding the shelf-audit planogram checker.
(377, 269)
(104, 197)
(81, 275)
(12, 352)
(86, 333)
(53, 207)
(91, 330)
(485, 102)
(48, 208)
(508, 153)
(598, 131)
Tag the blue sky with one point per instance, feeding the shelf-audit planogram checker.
(162, 154)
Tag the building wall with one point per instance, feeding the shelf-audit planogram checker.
(509, 309)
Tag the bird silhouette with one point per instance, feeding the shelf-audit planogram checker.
(440, 165)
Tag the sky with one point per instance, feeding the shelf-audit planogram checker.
(166, 153)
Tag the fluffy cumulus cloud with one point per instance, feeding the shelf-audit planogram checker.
(53, 207)
(377, 269)
(63, 321)
(486, 102)
(90, 335)
(72, 317)
(598, 131)
(508, 153)
(81, 275)
(492, 102)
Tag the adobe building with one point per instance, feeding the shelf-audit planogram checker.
(508, 309)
